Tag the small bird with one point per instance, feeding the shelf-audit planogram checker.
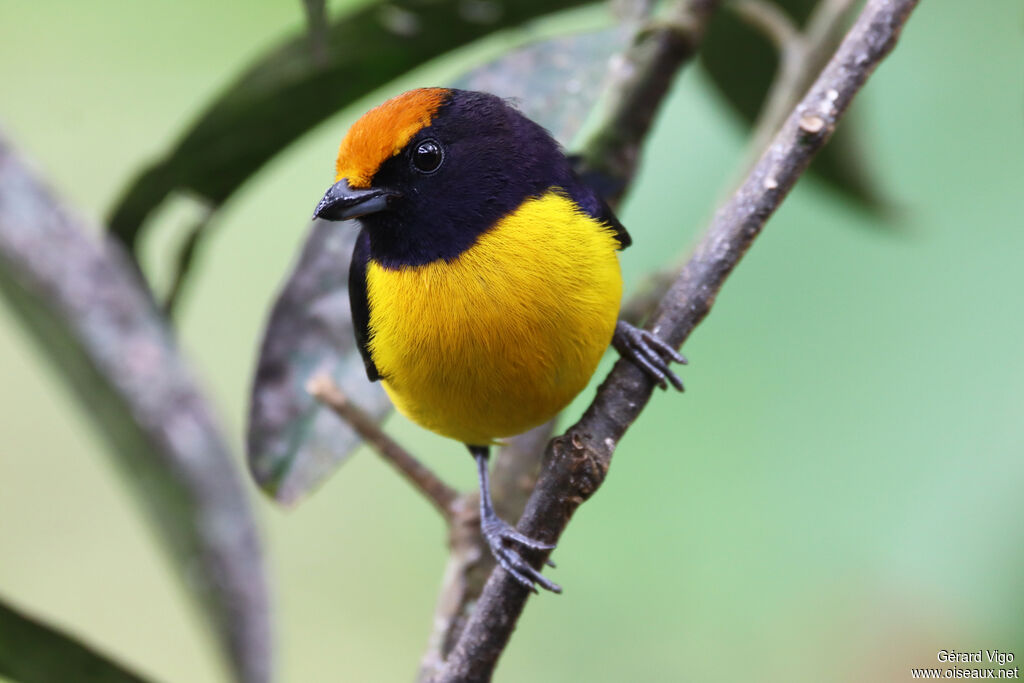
(484, 283)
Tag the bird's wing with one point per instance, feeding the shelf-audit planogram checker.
(596, 207)
(360, 303)
(591, 189)
(605, 213)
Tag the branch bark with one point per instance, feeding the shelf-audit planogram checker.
(470, 562)
(639, 82)
(802, 55)
(576, 463)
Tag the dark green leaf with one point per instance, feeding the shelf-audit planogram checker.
(742, 65)
(83, 302)
(32, 652)
(288, 91)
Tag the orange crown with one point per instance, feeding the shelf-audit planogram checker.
(382, 132)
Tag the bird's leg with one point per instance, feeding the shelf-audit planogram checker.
(498, 532)
(650, 353)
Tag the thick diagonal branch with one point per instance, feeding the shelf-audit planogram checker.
(576, 463)
(802, 55)
(639, 82)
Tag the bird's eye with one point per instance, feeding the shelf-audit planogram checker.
(427, 156)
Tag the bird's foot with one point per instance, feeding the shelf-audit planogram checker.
(498, 533)
(650, 353)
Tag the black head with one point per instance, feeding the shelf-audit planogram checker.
(445, 178)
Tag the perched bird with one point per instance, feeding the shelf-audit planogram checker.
(484, 284)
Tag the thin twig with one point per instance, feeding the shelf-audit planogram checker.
(323, 388)
(576, 463)
(801, 58)
(825, 28)
(469, 564)
(771, 20)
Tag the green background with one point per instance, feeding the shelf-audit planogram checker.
(837, 496)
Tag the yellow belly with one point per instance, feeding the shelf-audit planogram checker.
(503, 337)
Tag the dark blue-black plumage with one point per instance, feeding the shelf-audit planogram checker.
(494, 159)
(359, 302)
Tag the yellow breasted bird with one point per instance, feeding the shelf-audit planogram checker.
(484, 284)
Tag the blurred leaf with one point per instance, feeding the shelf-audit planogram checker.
(294, 442)
(287, 92)
(555, 82)
(32, 652)
(88, 312)
(742, 65)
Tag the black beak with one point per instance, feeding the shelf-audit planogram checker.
(342, 202)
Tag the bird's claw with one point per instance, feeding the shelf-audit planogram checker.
(498, 533)
(649, 352)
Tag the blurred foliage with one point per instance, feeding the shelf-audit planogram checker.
(31, 652)
(742, 61)
(85, 305)
(743, 64)
(291, 89)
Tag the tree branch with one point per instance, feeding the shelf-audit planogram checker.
(470, 562)
(640, 80)
(443, 497)
(577, 462)
(802, 55)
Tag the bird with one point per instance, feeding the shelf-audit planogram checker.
(484, 284)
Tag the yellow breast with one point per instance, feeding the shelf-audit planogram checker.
(503, 337)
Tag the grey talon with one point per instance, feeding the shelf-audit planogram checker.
(498, 533)
(649, 353)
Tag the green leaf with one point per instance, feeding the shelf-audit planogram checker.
(742, 64)
(87, 310)
(32, 652)
(294, 443)
(289, 91)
